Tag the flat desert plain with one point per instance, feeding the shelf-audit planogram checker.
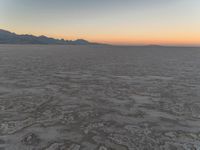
(59, 97)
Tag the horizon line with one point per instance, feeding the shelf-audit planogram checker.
(109, 43)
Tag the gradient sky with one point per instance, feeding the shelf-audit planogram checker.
(168, 22)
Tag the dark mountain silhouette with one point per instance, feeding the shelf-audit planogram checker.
(7, 37)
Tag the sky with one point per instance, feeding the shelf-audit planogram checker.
(120, 22)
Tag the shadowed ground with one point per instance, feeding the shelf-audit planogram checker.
(99, 98)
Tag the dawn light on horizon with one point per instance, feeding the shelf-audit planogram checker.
(109, 21)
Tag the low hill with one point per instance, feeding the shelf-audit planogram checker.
(7, 37)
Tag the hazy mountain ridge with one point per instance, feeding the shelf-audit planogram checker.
(7, 37)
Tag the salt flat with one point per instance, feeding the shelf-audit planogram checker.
(99, 98)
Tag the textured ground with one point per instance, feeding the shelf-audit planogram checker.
(99, 98)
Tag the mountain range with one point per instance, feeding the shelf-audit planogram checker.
(7, 37)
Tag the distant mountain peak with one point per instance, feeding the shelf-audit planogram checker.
(1, 30)
(7, 37)
(5, 32)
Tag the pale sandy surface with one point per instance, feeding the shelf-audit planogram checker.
(99, 98)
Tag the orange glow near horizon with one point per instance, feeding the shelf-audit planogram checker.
(175, 38)
(164, 39)
(129, 22)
